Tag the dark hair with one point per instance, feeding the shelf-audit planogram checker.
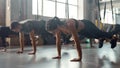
(14, 25)
(52, 24)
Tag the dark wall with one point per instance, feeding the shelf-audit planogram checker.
(2, 12)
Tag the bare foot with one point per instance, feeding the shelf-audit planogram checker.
(32, 53)
(76, 60)
(58, 57)
(20, 52)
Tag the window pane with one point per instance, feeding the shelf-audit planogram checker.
(74, 2)
(51, 0)
(62, 1)
(72, 11)
(108, 17)
(61, 10)
(48, 8)
(36, 7)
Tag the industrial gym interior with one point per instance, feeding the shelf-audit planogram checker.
(102, 13)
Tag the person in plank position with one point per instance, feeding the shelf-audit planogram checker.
(76, 28)
(32, 28)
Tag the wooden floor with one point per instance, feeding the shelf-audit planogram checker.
(92, 57)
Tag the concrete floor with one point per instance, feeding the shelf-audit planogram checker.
(92, 57)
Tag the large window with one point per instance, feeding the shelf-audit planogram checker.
(36, 7)
(48, 8)
(108, 17)
(73, 2)
(63, 1)
(59, 8)
(72, 11)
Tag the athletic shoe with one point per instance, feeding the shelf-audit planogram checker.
(113, 43)
(101, 43)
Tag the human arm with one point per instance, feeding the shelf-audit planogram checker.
(58, 45)
(73, 30)
(21, 40)
(32, 38)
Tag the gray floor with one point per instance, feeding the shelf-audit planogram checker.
(92, 57)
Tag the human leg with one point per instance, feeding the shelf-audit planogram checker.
(32, 37)
(4, 44)
(21, 40)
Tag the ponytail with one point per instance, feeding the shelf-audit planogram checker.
(52, 24)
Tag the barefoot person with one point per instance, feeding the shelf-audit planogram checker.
(74, 28)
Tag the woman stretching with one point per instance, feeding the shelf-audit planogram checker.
(75, 28)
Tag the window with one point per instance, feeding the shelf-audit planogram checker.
(108, 17)
(73, 2)
(72, 11)
(61, 8)
(36, 7)
(63, 1)
(48, 8)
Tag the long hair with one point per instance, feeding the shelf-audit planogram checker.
(52, 24)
